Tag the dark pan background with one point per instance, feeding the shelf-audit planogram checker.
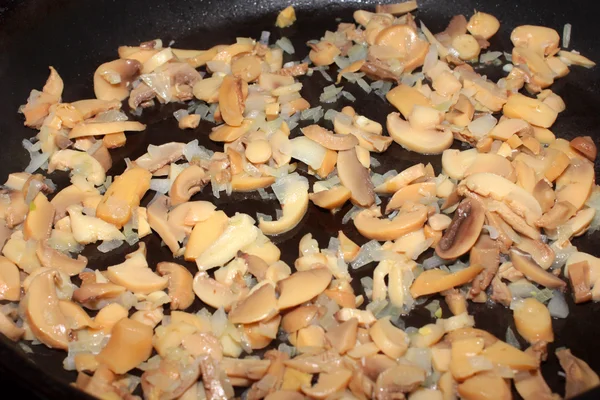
(75, 36)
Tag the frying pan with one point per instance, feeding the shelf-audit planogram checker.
(76, 36)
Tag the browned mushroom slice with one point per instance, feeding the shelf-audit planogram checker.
(92, 295)
(10, 280)
(356, 178)
(38, 223)
(524, 263)
(189, 182)
(328, 139)
(436, 280)
(130, 344)
(232, 94)
(580, 377)
(404, 39)
(302, 286)
(428, 141)
(180, 284)
(464, 230)
(123, 195)
(586, 146)
(369, 224)
(163, 155)
(486, 253)
(112, 79)
(332, 198)
(579, 276)
(51, 258)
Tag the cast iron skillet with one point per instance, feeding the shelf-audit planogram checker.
(76, 36)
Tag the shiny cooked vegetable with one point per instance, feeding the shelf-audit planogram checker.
(499, 218)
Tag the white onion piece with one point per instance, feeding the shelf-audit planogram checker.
(566, 36)
(366, 254)
(308, 151)
(109, 245)
(483, 125)
(286, 45)
(558, 306)
(493, 232)
(160, 185)
(37, 160)
(489, 56)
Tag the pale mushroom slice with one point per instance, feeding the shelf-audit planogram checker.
(43, 313)
(84, 129)
(302, 286)
(369, 224)
(455, 162)
(331, 199)
(328, 384)
(161, 156)
(328, 139)
(112, 79)
(524, 263)
(87, 229)
(135, 275)
(54, 259)
(492, 163)
(403, 378)
(240, 232)
(356, 178)
(180, 284)
(129, 345)
(575, 183)
(391, 340)
(436, 280)
(404, 39)
(580, 377)
(292, 193)
(91, 107)
(10, 280)
(123, 195)
(70, 195)
(421, 141)
(80, 162)
(343, 336)
(464, 230)
(158, 219)
(532, 320)
(38, 223)
(415, 193)
(189, 182)
(405, 98)
(214, 293)
(10, 329)
(542, 40)
(260, 305)
(204, 234)
(403, 179)
(531, 110)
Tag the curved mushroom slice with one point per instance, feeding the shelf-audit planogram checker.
(135, 275)
(38, 223)
(533, 321)
(180, 284)
(484, 386)
(403, 378)
(70, 195)
(232, 94)
(292, 193)
(531, 110)
(404, 39)
(157, 218)
(185, 216)
(51, 258)
(240, 232)
(543, 41)
(94, 295)
(39, 103)
(227, 133)
(464, 230)
(10, 281)
(187, 376)
(92, 107)
(328, 384)
(76, 316)
(492, 163)
(586, 146)
(161, 156)
(532, 386)
(541, 253)
(247, 183)
(13, 208)
(558, 215)
(204, 234)
(580, 377)
(435, 280)
(80, 162)
(302, 286)
(129, 345)
(524, 263)
(88, 229)
(424, 142)
(9, 329)
(258, 306)
(369, 224)
(189, 182)
(43, 313)
(392, 341)
(356, 178)
(412, 193)
(403, 179)
(576, 183)
(112, 79)
(544, 194)
(104, 128)
(503, 354)
(213, 293)
(332, 198)
(328, 139)
(123, 195)
(455, 162)
(405, 98)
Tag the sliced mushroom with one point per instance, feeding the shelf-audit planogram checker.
(258, 306)
(484, 386)
(580, 377)
(9, 329)
(10, 281)
(328, 139)
(541, 253)
(328, 384)
(157, 218)
(492, 163)
(455, 163)
(542, 40)
(483, 25)
(464, 230)
(524, 263)
(302, 286)
(544, 194)
(403, 179)
(294, 203)
(180, 284)
(227, 133)
(391, 340)
(51, 258)
(130, 344)
(435, 280)
(403, 378)
(134, 274)
(161, 156)
(531, 385)
(531, 110)
(533, 321)
(331, 199)
(79, 161)
(575, 184)
(369, 224)
(205, 233)
(213, 293)
(232, 94)
(420, 141)
(38, 223)
(323, 53)
(189, 182)
(167, 369)
(112, 79)
(355, 177)
(501, 353)
(93, 295)
(404, 39)
(586, 146)
(299, 318)
(412, 193)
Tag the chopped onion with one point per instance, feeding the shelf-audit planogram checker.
(364, 85)
(330, 114)
(286, 45)
(430, 59)
(506, 68)
(160, 185)
(483, 125)
(193, 151)
(341, 62)
(566, 38)
(511, 338)
(202, 110)
(330, 94)
(433, 262)
(489, 56)
(179, 114)
(357, 52)
(315, 113)
(493, 232)
(366, 254)
(348, 95)
(308, 151)
(558, 306)
(350, 214)
(326, 75)
(264, 217)
(160, 83)
(434, 309)
(522, 289)
(264, 37)
(353, 76)
(282, 185)
(37, 161)
(109, 245)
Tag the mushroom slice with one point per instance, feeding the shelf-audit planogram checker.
(213, 293)
(328, 384)
(369, 224)
(204, 234)
(43, 313)
(424, 141)
(76, 316)
(240, 232)
(328, 139)
(455, 163)
(532, 386)
(112, 79)
(558, 215)
(247, 183)
(464, 230)
(499, 188)
(544, 41)
(436, 280)
(331, 199)
(542, 254)
(524, 263)
(258, 306)
(503, 354)
(38, 223)
(483, 25)
(356, 178)
(189, 182)
(492, 163)
(579, 276)
(88, 229)
(343, 336)
(232, 94)
(531, 110)
(157, 218)
(104, 128)
(80, 162)
(92, 294)
(404, 39)
(575, 184)
(51, 258)
(10, 281)
(161, 156)
(92, 107)
(302, 286)
(123, 195)
(484, 386)
(134, 274)
(580, 377)
(186, 374)
(70, 195)
(392, 341)
(9, 329)
(129, 345)
(403, 179)
(544, 194)
(586, 146)
(412, 193)
(403, 378)
(227, 133)
(532, 320)
(405, 98)
(180, 284)
(292, 193)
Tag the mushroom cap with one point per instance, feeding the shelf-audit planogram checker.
(424, 142)
(294, 203)
(180, 284)
(372, 227)
(356, 178)
(464, 230)
(122, 72)
(189, 182)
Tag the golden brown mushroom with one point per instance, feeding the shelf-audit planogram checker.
(130, 344)
(112, 79)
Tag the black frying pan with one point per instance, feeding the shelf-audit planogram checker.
(76, 36)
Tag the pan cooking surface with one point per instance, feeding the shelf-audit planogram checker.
(75, 37)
